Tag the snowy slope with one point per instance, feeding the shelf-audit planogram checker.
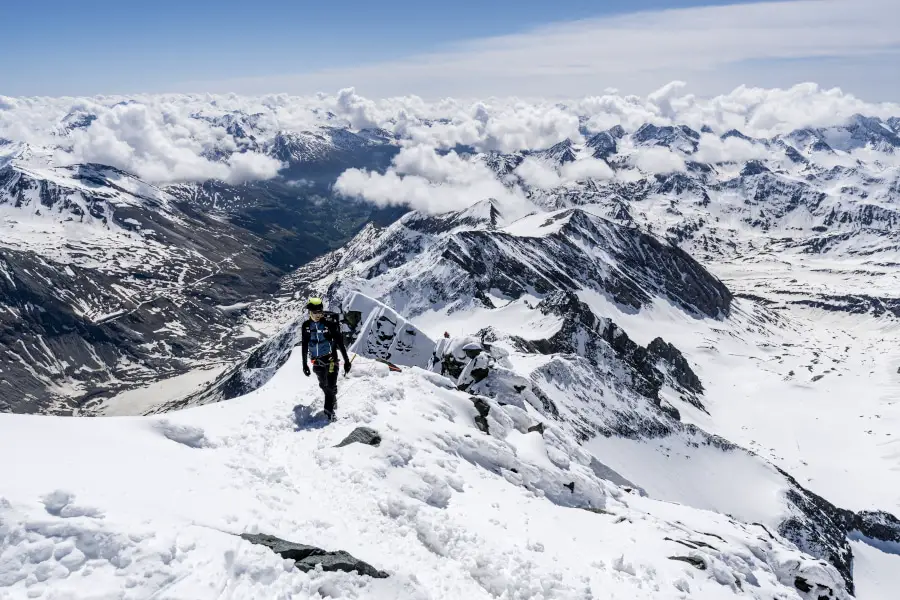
(446, 510)
(502, 284)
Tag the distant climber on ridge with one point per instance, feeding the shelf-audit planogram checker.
(321, 339)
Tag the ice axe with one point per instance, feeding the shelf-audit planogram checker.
(350, 362)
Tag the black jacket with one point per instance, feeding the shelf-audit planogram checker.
(332, 334)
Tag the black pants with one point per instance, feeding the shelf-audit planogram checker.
(327, 374)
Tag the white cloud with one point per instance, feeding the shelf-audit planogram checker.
(709, 46)
(505, 126)
(657, 160)
(538, 173)
(588, 168)
(425, 180)
(251, 166)
(543, 175)
(161, 145)
(713, 149)
(425, 161)
(166, 138)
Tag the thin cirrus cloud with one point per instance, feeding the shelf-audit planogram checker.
(852, 44)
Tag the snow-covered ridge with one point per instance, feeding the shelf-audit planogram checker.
(444, 509)
(581, 368)
(421, 262)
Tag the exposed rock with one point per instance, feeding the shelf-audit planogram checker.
(676, 365)
(802, 585)
(602, 342)
(877, 525)
(361, 435)
(307, 558)
(695, 561)
(483, 409)
(820, 529)
(472, 349)
(571, 486)
(539, 428)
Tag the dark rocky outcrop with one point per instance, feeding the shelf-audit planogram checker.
(538, 428)
(824, 530)
(877, 525)
(307, 558)
(859, 304)
(694, 561)
(605, 144)
(484, 410)
(675, 364)
(601, 340)
(640, 267)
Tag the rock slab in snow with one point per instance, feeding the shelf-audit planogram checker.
(362, 435)
(308, 557)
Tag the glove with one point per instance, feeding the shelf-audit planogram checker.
(306, 369)
(346, 367)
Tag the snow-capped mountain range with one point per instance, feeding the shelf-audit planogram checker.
(702, 320)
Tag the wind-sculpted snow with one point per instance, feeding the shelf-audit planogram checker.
(441, 508)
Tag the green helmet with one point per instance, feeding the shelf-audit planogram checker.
(315, 304)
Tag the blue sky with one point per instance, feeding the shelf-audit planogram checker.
(112, 47)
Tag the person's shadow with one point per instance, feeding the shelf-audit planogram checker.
(306, 418)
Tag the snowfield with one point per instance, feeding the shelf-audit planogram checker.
(150, 507)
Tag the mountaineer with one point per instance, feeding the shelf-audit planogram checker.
(322, 339)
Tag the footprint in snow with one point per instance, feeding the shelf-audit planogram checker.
(193, 437)
(305, 418)
(61, 503)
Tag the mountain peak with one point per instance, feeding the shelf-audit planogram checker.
(677, 138)
(735, 133)
(605, 144)
(559, 153)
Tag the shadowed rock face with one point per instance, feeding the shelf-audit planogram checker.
(638, 268)
(824, 530)
(601, 341)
